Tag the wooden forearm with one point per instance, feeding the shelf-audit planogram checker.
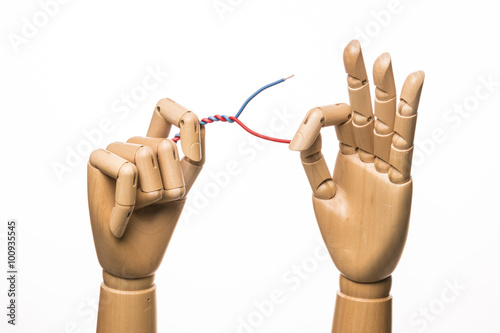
(127, 305)
(363, 307)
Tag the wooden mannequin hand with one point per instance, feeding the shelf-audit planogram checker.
(136, 193)
(137, 190)
(363, 211)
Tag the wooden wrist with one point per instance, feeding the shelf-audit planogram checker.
(115, 282)
(127, 305)
(374, 290)
(363, 307)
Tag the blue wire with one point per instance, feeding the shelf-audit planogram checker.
(244, 104)
(255, 94)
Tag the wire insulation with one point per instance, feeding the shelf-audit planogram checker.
(231, 119)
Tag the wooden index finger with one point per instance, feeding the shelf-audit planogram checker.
(307, 140)
(168, 113)
(324, 116)
(317, 171)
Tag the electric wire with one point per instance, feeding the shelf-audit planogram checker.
(231, 119)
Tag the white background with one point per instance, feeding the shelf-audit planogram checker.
(244, 236)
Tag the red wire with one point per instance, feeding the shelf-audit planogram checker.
(265, 137)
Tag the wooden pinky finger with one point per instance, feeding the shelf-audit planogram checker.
(404, 129)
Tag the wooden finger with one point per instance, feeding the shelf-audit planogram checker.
(324, 116)
(345, 135)
(158, 127)
(317, 171)
(125, 174)
(170, 170)
(385, 111)
(360, 100)
(167, 113)
(404, 128)
(149, 185)
(145, 161)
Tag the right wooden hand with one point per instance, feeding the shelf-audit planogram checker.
(363, 209)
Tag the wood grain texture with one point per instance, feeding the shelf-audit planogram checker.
(365, 224)
(363, 307)
(127, 311)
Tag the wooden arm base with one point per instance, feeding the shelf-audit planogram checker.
(129, 309)
(363, 307)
